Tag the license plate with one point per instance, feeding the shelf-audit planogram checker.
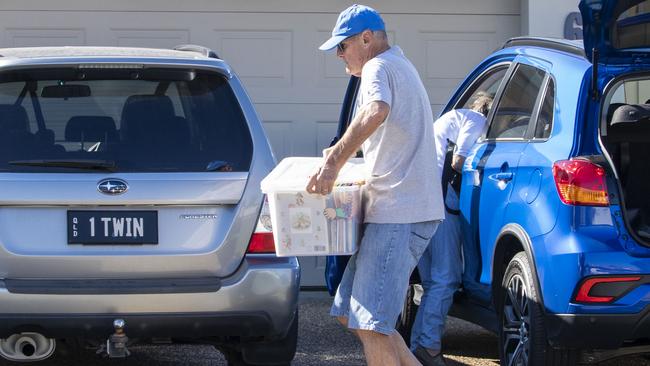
(112, 227)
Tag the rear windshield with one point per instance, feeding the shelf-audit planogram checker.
(126, 120)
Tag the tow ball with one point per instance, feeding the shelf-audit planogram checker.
(115, 346)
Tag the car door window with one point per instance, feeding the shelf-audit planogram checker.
(545, 119)
(487, 83)
(516, 105)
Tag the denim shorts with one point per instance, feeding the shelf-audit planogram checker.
(374, 284)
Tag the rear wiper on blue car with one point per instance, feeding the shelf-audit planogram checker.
(89, 164)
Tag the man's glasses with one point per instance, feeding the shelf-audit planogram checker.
(341, 47)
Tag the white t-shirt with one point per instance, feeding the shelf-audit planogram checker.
(460, 126)
(402, 184)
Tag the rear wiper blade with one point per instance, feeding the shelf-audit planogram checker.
(70, 163)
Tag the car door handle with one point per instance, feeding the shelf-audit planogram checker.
(504, 176)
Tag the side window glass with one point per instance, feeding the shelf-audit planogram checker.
(545, 119)
(516, 105)
(489, 84)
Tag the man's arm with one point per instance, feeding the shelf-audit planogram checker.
(471, 130)
(367, 120)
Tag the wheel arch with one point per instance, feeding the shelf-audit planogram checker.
(511, 240)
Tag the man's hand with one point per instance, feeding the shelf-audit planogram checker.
(323, 181)
(457, 163)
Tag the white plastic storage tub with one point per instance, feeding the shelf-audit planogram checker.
(307, 224)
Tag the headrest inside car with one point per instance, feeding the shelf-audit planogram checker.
(90, 128)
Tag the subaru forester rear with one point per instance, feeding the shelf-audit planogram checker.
(129, 195)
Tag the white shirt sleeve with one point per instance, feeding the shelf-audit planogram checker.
(374, 83)
(471, 129)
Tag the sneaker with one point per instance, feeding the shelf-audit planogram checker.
(426, 359)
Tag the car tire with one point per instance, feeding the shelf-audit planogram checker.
(283, 350)
(522, 330)
(407, 316)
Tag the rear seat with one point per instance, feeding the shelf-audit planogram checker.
(91, 129)
(149, 123)
(629, 131)
(15, 137)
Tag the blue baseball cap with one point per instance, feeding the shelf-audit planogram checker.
(351, 21)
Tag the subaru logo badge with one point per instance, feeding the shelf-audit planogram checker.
(112, 186)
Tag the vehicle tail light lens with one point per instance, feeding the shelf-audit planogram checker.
(261, 243)
(262, 239)
(600, 290)
(580, 182)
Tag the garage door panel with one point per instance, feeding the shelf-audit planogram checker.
(449, 57)
(155, 38)
(280, 137)
(452, 55)
(262, 58)
(325, 132)
(31, 37)
(311, 127)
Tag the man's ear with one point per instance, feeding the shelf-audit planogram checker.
(366, 36)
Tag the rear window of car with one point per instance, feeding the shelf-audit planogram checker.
(121, 119)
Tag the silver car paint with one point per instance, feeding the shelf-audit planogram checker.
(261, 284)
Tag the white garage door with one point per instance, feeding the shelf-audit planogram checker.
(272, 45)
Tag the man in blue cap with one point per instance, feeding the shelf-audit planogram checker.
(393, 126)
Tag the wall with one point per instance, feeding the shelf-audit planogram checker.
(545, 18)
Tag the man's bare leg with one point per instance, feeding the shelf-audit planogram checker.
(378, 349)
(406, 357)
(403, 353)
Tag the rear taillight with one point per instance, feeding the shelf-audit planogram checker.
(262, 238)
(580, 182)
(600, 290)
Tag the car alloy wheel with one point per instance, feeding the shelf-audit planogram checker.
(516, 322)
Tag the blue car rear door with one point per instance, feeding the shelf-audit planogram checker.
(491, 171)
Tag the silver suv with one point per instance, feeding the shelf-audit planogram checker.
(129, 207)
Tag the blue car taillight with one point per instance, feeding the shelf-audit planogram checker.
(604, 289)
(580, 182)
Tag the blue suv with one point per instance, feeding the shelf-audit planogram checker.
(554, 198)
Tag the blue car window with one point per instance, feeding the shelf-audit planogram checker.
(488, 83)
(516, 105)
(545, 119)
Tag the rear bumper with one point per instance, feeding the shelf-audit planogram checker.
(195, 325)
(260, 299)
(598, 331)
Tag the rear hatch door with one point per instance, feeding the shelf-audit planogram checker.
(126, 170)
(618, 31)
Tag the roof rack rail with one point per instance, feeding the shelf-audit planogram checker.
(555, 44)
(198, 49)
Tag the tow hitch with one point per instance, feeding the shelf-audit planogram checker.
(115, 346)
